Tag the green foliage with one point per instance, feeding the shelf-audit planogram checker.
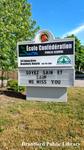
(79, 53)
(3, 78)
(16, 25)
(79, 72)
(13, 85)
(82, 57)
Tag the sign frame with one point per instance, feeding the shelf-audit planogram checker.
(57, 94)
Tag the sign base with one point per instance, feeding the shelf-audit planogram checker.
(47, 94)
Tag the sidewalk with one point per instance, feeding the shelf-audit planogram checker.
(79, 83)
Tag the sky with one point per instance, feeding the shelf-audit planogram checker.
(61, 17)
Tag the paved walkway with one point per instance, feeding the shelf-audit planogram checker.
(79, 83)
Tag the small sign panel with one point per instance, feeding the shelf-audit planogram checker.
(56, 53)
(46, 77)
(44, 36)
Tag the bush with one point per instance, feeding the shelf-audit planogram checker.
(79, 72)
(13, 85)
(3, 78)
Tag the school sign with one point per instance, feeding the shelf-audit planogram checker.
(46, 67)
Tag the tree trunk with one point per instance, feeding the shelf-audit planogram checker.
(2, 75)
(79, 68)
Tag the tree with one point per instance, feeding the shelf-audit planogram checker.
(16, 24)
(79, 53)
(82, 57)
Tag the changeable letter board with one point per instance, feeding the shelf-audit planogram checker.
(50, 77)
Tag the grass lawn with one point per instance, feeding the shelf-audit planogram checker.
(26, 122)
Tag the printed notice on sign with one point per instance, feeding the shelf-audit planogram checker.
(57, 53)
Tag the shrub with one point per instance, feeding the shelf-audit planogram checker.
(79, 72)
(3, 78)
(13, 85)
